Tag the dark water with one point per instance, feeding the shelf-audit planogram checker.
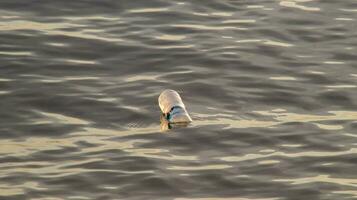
(271, 87)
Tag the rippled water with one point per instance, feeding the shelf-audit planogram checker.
(271, 87)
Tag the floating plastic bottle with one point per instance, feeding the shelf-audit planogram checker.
(173, 108)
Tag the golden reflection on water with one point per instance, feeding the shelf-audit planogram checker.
(77, 61)
(226, 198)
(56, 29)
(79, 78)
(277, 118)
(341, 86)
(206, 27)
(289, 155)
(5, 92)
(320, 178)
(261, 7)
(170, 37)
(201, 167)
(17, 53)
(50, 118)
(100, 136)
(101, 140)
(329, 127)
(220, 14)
(316, 72)
(295, 117)
(268, 162)
(155, 77)
(148, 10)
(331, 62)
(255, 6)
(9, 190)
(239, 21)
(142, 78)
(348, 10)
(276, 43)
(92, 17)
(174, 46)
(283, 78)
(266, 42)
(267, 150)
(297, 4)
(344, 19)
(30, 25)
(61, 169)
(57, 44)
(292, 145)
(84, 35)
(5, 80)
(350, 192)
(45, 79)
(350, 135)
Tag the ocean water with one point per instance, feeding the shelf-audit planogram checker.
(271, 86)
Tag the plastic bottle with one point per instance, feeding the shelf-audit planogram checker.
(173, 108)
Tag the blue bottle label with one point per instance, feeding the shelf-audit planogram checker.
(174, 110)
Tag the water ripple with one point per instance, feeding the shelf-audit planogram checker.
(270, 87)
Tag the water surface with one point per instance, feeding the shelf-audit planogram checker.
(271, 87)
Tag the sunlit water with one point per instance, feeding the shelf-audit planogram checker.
(271, 87)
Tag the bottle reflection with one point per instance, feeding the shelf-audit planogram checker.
(166, 125)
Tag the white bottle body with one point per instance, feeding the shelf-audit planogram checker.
(173, 108)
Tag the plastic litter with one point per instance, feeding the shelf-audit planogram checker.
(173, 108)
